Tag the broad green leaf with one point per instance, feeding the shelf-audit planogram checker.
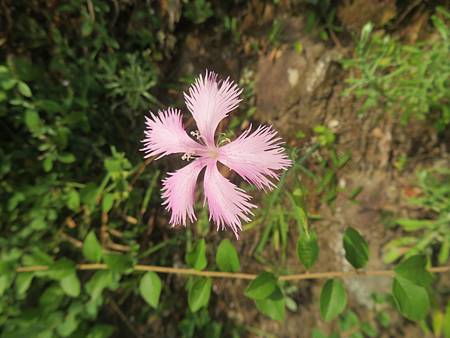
(32, 119)
(71, 285)
(92, 250)
(308, 249)
(67, 326)
(73, 200)
(414, 270)
(333, 299)
(7, 84)
(87, 27)
(88, 195)
(66, 158)
(118, 263)
(24, 89)
(227, 258)
(98, 282)
(23, 282)
(71, 321)
(49, 106)
(196, 258)
(411, 299)
(262, 286)
(101, 331)
(356, 248)
(51, 298)
(5, 282)
(61, 269)
(150, 288)
(273, 306)
(199, 293)
(47, 163)
(107, 202)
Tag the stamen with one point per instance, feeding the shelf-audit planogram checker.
(196, 134)
(225, 140)
(187, 157)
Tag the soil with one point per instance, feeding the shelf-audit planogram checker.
(295, 91)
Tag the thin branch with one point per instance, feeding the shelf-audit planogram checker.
(239, 275)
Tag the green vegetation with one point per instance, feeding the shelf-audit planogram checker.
(408, 81)
(430, 235)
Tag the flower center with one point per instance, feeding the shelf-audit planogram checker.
(213, 153)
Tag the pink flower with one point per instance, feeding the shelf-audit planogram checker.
(257, 156)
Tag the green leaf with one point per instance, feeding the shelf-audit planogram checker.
(384, 319)
(5, 282)
(414, 224)
(107, 202)
(333, 299)
(61, 269)
(273, 306)
(227, 258)
(98, 282)
(92, 250)
(414, 270)
(73, 200)
(87, 27)
(412, 300)
(369, 330)
(318, 334)
(7, 84)
(23, 282)
(32, 120)
(71, 285)
(262, 286)
(47, 163)
(68, 326)
(446, 323)
(67, 158)
(308, 249)
(118, 263)
(24, 89)
(199, 293)
(70, 323)
(88, 195)
(150, 288)
(348, 321)
(356, 248)
(196, 258)
(101, 331)
(444, 251)
(51, 298)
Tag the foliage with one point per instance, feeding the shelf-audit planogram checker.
(409, 81)
(425, 235)
(75, 81)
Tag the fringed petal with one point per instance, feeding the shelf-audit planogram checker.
(227, 203)
(256, 156)
(165, 134)
(178, 192)
(210, 101)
